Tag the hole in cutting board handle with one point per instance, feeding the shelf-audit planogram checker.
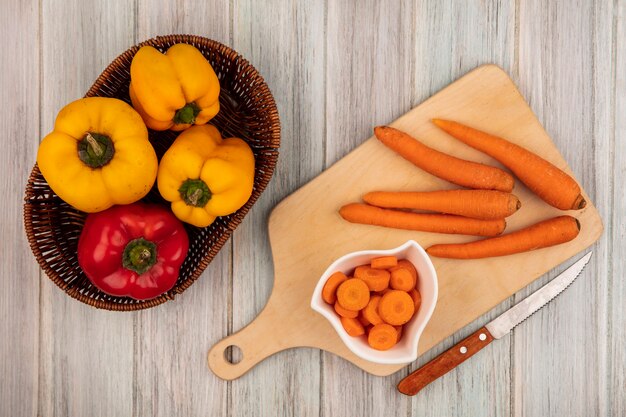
(233, 354)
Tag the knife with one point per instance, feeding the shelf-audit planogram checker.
(502, 325)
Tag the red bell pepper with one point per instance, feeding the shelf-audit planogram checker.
(134, 250)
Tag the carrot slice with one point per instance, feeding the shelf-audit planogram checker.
(330, 288)
(401, 279)
(352, 326)
(396, 307)
(416, 297)
(546, 180)
(370, 312)
(365, 322)
(384, 262)
(540, 235)
(376, 279)
(350, 314)
(399, 330)
(382, 337)
(458, 171)
(424, 222)
(404, 263)
(353, 294)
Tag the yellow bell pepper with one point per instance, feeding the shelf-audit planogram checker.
(205, 176)
(173, 90)
(98, 155)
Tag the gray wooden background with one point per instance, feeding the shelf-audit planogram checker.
(336, 69)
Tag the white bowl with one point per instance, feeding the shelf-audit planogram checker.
(406, 350)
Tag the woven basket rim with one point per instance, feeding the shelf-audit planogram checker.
(272, 150)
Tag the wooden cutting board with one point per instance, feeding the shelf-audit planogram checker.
(307, 234)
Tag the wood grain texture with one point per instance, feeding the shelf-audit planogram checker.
(86, 355)
(336, 70)
(19, 277)
(168, 337)
(285, 42)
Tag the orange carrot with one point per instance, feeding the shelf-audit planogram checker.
(437, 223)
(330, 288)
(376, 279)
(396, 307)
(401, 279)
(416, 297)
(382, 337)
(399, 331)
(370, 312)
(365, 322)
(540, 235)
(352, 326)
(384, 262)
(406, 264)
(458, 171)
(381, 293)
(353, 294)
(351, 314)
(549, 182)
(478, 204)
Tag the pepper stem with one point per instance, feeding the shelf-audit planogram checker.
(139, 255)
(95, 149)
(195, 192)
(186, 114)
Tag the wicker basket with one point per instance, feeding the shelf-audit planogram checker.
(247, 111)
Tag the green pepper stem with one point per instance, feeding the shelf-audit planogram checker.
(95, 150)
(139, 255)
(93, 144)
(195, 192)
(187, 114)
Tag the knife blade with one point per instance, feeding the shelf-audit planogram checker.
(496, 329)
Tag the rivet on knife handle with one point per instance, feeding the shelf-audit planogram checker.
(445, 362)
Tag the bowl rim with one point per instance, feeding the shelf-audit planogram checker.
(370, 354)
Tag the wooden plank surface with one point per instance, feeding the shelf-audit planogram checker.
(324, 62)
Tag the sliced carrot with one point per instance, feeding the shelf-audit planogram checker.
(350, 314)
(352, 326)
(396, 307)
(458, 171)
(540, 235)
(353, 294)
(376, 279)
(381, 293)
(416, 296)
(478, 204)
(399, 330)
(370, 312)
(425, 222)
(384, 262)
(365, 322)
(330, 288)
(405, 263)
(546, 180)
(401, 279)
(382, 337)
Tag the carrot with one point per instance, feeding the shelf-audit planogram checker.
(478, 204)
(396, 307)
(330, 288)
(352, 326)
(383, 292)
(540, 235)
(382, 337)
(457, 171)
(350, 314)
(437, 223)
(549, 182)
(406, 264)
(416, 296)
(376, 279)
(384, 262)
(353, 294)
(399, 331)
(401, 279)
(365, 322)
(370, 312)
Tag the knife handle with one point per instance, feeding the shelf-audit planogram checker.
(445, 362)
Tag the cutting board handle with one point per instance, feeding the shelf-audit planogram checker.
(256, 341)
